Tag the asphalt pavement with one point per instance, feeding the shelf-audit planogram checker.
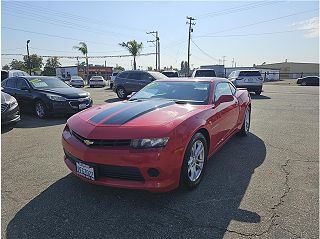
(265, 185)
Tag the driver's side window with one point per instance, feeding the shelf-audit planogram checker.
(221, 89)
(22, 84)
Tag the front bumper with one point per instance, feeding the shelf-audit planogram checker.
(166, 161)
(68, 107)
(10, 115)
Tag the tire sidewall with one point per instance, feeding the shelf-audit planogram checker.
(125, 93)
(44, 107)
(184, 179)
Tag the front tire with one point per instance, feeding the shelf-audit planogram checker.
(258, 92)
(304, 83)
(194, 163)
(40, 109)
(244, 131)
(121, 93)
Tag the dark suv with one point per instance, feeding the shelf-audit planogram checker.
(127, 82)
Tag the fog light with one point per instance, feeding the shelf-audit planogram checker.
(153, 172)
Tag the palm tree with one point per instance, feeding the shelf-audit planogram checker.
(134, 49)
(83, 48)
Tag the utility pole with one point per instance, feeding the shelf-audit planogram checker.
(28, 41)
(223, 59)
(157, 44)
(191, 23)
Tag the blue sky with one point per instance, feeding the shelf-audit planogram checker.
(251, 32)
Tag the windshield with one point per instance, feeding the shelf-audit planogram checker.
(76, 78)
(47, 83)
(157, 75)
(205, 73)
(96, 78)
(188, 92)
(170, 73)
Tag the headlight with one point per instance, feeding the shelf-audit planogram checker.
(149, 143)
(56, 97)
(12, 102)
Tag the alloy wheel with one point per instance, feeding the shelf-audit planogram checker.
(196, 160)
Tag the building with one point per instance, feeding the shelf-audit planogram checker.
(65, 72)
(293, 69)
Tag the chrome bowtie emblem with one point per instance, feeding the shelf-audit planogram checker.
(88, 142)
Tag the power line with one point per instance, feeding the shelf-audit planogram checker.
(254, 34)
(78, 57)
(215, 59)
(51, 35)
(69, 15)
(238, 9)
(264, 21)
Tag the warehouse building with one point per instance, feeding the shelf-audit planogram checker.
(293, 69)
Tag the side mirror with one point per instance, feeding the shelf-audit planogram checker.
(224, 98)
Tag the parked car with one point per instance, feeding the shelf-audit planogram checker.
(170, 73)
(46, 95)
(308, 80)
(76, 81)
(97, 81)
(160, 138)
(113, 76)
(203, 73)
(132, 81)
(249, 79)
(9, 109)
(11, 73)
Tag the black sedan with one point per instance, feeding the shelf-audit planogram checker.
(46, 95)
(9, 109)
(308, 80)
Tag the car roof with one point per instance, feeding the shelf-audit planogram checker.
(196, 79)
(39, 77)
(247, 70)
(204, 69)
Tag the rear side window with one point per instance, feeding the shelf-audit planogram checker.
(123, 75)
(222, 89)
(4, 75)
(250, 73)
(205, 73)
(11, 83)
(134, 76)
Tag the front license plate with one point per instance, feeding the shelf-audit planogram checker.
(82, 106)
(85, 170)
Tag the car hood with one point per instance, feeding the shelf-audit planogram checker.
(69, 92)
(5, 98)
(153, 118)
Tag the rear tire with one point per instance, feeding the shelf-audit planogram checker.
(121, 93)
(194, 163)
(244, 131)
(304, 83)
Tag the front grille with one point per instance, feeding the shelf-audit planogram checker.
(75, 103)
(111, 171)
(4, 107)
(103, 142)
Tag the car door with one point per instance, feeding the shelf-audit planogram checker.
(132, 83)
(228, 112)
(23, 93)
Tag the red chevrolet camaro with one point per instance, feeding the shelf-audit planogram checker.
(160, 138)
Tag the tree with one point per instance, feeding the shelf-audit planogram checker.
(50, 67)
(118, 68)
(134, 49)
(83, 48)
(6, 67)
(35, 62)
(17, 65)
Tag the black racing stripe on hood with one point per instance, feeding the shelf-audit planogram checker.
(141, 108)
(105, 113)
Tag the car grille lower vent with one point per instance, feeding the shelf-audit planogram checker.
(4, 107)
(103, 142)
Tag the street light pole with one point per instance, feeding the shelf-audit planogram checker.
(28, 41)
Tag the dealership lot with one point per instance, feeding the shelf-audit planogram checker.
(261, 186)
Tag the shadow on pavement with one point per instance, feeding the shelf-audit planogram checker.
(70, 208)
(112, 100)
(259, 97)
(30, 121)
(6, 128)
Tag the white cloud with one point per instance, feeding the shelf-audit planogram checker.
(311, 27)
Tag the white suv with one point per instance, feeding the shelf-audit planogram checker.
(249, 79)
